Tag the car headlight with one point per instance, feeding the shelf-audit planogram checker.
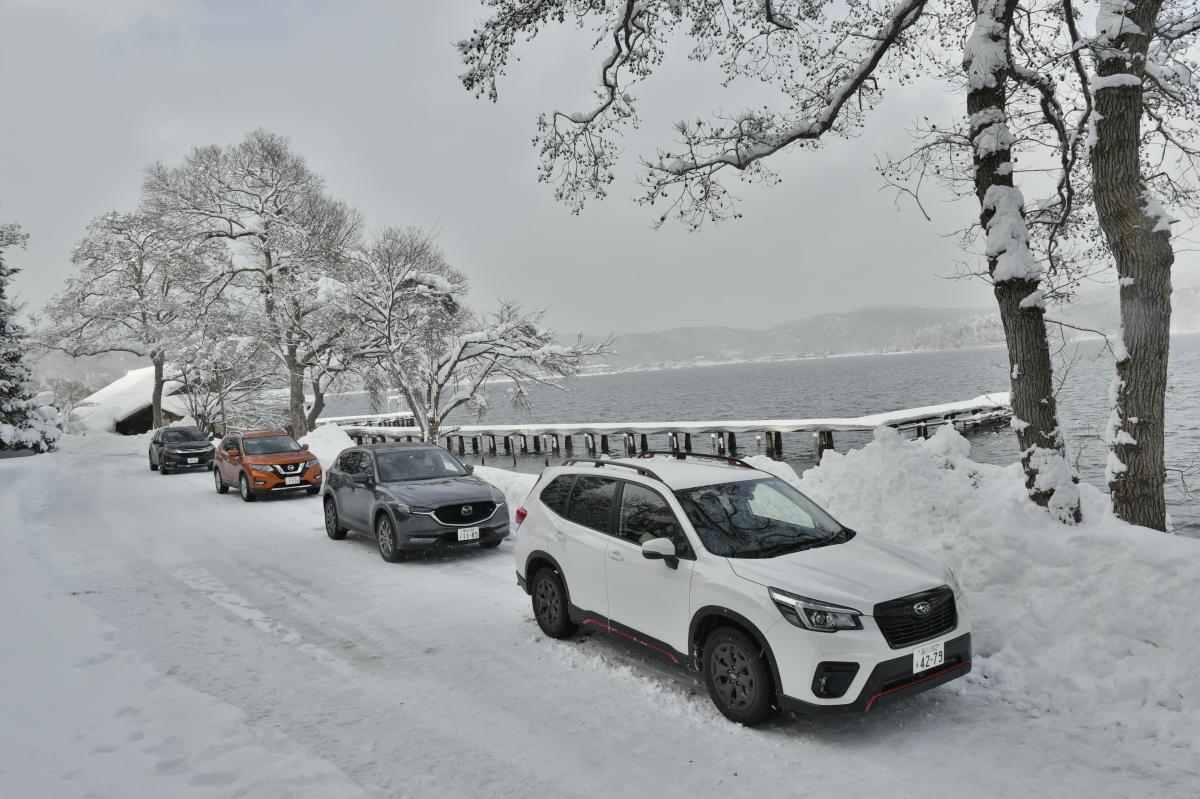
(810, 614)
(405, 508)
(258, 468)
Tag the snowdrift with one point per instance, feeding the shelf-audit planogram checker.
(326, 442)
(1093, 620)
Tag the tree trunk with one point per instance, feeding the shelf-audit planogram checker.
(296, 413)
(1048, 476)
(159, 360)
(1139, 236)
(318, 404)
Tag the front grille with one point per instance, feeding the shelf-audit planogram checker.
(464, 513)
(902, 627)
(289, 468)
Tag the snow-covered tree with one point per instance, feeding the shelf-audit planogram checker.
(284, 236)
(24, 424)
(437, 352)
(137, 286)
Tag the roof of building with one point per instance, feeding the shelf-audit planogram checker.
(124, 397)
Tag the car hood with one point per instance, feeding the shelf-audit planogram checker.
(439, 491)
(858, 574)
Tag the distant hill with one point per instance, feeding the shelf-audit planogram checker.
(868, 330)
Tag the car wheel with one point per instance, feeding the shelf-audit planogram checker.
(163, 470)
(210, 466)
(219, 483)
(550, 604)
(385, 536)
(737, 677)
(244, 488)
(332, 528)
(153, 465)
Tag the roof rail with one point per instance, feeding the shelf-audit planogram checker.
(597, 462)
(726, 459)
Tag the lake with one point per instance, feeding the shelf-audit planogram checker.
(858, 385)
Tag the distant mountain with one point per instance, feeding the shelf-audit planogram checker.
(868, 330)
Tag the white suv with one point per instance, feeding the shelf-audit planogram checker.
(732, 572)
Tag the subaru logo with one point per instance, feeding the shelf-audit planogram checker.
(466, 510)
(922, 609)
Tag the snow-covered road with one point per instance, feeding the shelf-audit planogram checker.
(162, 640)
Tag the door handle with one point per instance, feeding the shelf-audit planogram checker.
(615, 555)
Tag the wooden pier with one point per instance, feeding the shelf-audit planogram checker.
(631, 438)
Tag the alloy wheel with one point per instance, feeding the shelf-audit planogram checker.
(732, 676)
(546, 596)
(331, 519)
(383, 531)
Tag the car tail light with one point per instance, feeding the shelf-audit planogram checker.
(521, 514)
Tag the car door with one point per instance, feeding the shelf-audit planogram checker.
(650, 596)
(581, 539)
(231, 459)
(352, 496)
(155, 448)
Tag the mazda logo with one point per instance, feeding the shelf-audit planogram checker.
(466, 510)
(922, 609)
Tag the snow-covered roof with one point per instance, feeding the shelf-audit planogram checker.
(123, 398)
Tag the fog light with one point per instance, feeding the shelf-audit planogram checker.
(832, 679)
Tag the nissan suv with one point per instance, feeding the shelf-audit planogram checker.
(265, 462)
(409, 497)
(732, 572)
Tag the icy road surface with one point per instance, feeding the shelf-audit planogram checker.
(161, 640)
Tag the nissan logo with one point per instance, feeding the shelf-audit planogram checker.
(922, 609)
(467, 510)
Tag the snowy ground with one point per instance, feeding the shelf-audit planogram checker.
(173, 642)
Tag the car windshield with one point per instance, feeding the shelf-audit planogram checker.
(179, 436)
(758, 519)
(397, 465)
(268, 445)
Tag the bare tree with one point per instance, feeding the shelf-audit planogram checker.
(136, 283)
(832, 62)
(1147, 105)
(284, 237)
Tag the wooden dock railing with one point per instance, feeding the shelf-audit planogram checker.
(630, 438)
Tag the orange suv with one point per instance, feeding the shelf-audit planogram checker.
(265, 462)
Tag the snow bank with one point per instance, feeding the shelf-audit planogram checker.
(1089, 620)
(326, 442)
(101, 443)
(515, 485)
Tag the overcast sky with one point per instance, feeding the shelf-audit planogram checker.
(368, 93)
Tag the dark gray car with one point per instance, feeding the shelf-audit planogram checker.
(173, 448)
(409, 497)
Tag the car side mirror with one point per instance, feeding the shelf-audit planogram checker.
(661, 549)
(304, 445)
(362, 478)
(469, 467)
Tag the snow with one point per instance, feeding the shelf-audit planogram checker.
(1161, 218)
(1114, 81)
(1008, 235)
(124, 396)
(326, 442)
(246, 654)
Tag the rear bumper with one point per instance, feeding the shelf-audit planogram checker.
(894, 679)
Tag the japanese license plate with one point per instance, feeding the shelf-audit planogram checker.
(292, 481)
(468, 533)
(193, 460)
(929, 656)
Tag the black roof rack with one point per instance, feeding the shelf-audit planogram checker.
(726, 459)
(598, 462)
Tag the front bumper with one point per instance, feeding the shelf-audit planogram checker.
(274, 483)
(179, 460)
(889, 680)
(419, 531)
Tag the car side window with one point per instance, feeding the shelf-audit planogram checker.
(351, 462)
(591, 502)
(555, 495)
(645, 515)
(229, 443)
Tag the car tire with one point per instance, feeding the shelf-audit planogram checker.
(385, 539)
(333, 528)
(153, 465)
(244, 489)
(737, 677)
(218, 483)
(210, 466)
(163, 470)
(550, 606)
(490, 544)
